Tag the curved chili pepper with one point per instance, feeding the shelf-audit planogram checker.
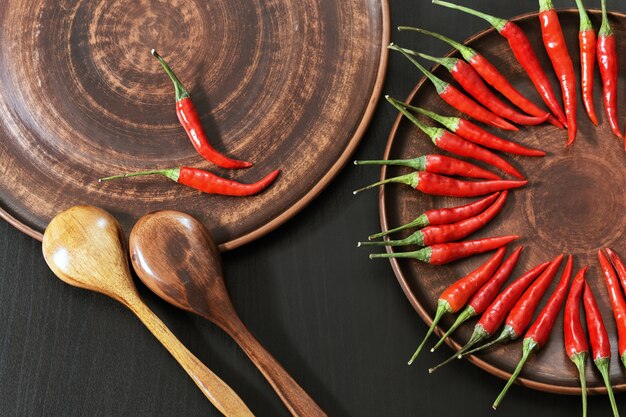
(600, 344)
(488, 72)
(436, 217)
(478, 135)
(458, 100)
(619, 266)
(617, 302)
(457, 294)
(450, 142)
(444, 253)
(434, 184)
(189, 118)
(575, 340)
(587, 41)
(485, 295)
(523, 51)
(433, 235)
(522, 313)
(537, 336)
(438, 164)
(206, 181)
(556, 47)
(471, 82)
(607, 62)
(494, 315)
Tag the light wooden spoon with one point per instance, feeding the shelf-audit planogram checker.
(175, 256)
(85, 247)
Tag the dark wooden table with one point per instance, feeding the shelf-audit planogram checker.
(336, 320)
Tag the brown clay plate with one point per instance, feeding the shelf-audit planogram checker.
(574, 203)
(284, 84)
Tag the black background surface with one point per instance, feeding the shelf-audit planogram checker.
(337, 321)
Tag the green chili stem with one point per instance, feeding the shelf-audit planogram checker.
(496, 22)
(467, 52)
(579, 360)
(171, 173)
(440, 85)
(411, 179)
(443, 307)
(603, 366)
(465, 315)
(181, 93)
(421, 221)
(422, 255)
(529, 347)
(418, 164)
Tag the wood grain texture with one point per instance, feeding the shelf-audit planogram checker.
(275, 83)
(574, 203)
(86, 248)
(176, 257)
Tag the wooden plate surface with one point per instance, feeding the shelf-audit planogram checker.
(284, 84)
(575, 203)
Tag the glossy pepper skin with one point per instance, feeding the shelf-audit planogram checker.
(190, 120)
(489, 73)
(525, 55)
(521, 314)
(555, 45)
(450, 142)
(432, 235)
(538, 334)
(457, 294)
(458, 100)
(599, 339)
(435, 217)
(438, 164)
(587, 41)
(434, 184)
(444, 253)
(574, 337)
(485, 295)
(472, 82)
(607, 62)
(496, 312)
(619, 266)
(206, 181)
(618, 303)
(475, 134)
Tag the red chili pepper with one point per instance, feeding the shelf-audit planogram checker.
(485, 295)
(444, 253)
(471, 82)
(458, 100)
(434, 184)
(494, 315)
(600, 344)
(587, 41)
(189, 118)
(537, 336)
(473, 133)
(457, 294)
(619, 266)
(450, 142)
(575, 340)
(205, 181)
(436, 217)
(488, 72)
(438, 164)
(521, 314)
(617, 302)
(523, 51)
(556, 47)
(433, 235)
(607, 61)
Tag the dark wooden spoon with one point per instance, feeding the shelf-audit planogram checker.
(176, 257)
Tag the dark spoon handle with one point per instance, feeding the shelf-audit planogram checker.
(297, 401)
